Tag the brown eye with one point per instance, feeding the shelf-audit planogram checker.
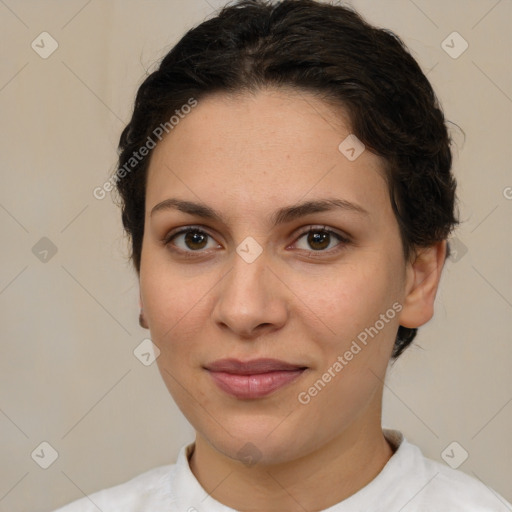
(321, 240)
(318, 240)
(194, 240)
(190, 240)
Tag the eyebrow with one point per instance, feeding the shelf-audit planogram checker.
(281, 216)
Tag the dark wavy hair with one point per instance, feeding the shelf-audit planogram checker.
(327, 50)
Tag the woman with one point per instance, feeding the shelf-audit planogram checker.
(286, 184)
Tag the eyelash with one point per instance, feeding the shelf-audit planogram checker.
(344, 240)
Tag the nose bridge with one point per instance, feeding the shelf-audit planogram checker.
(250, 296)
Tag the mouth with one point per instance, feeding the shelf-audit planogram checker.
(253, 379)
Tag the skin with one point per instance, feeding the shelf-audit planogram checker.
(246, 156)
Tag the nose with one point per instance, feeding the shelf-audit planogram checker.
(251, 300)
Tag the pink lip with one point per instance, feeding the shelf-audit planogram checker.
(253, 379)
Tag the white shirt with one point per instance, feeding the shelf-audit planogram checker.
(409, 482)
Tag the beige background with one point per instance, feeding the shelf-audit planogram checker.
(68, 375)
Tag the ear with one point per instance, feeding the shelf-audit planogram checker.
(142, 319)
(423, 275)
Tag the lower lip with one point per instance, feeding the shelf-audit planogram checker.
(254, 386)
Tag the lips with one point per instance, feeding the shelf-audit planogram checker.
(253, 379)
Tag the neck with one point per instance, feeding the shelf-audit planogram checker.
(313, 482)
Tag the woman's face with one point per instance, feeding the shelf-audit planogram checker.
(253, 284)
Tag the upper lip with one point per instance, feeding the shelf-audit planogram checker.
(252, 367)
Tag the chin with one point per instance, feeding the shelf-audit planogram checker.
(262, 442)
(261, 451)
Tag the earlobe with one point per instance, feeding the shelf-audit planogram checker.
(423, 275)
(142, 319)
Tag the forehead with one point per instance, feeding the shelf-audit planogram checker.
(259, 149)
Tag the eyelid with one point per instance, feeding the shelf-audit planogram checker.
(183, 230)
(322, 227)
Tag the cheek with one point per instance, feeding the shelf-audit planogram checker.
(171, 301)
(358, 306)
(354, 296)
